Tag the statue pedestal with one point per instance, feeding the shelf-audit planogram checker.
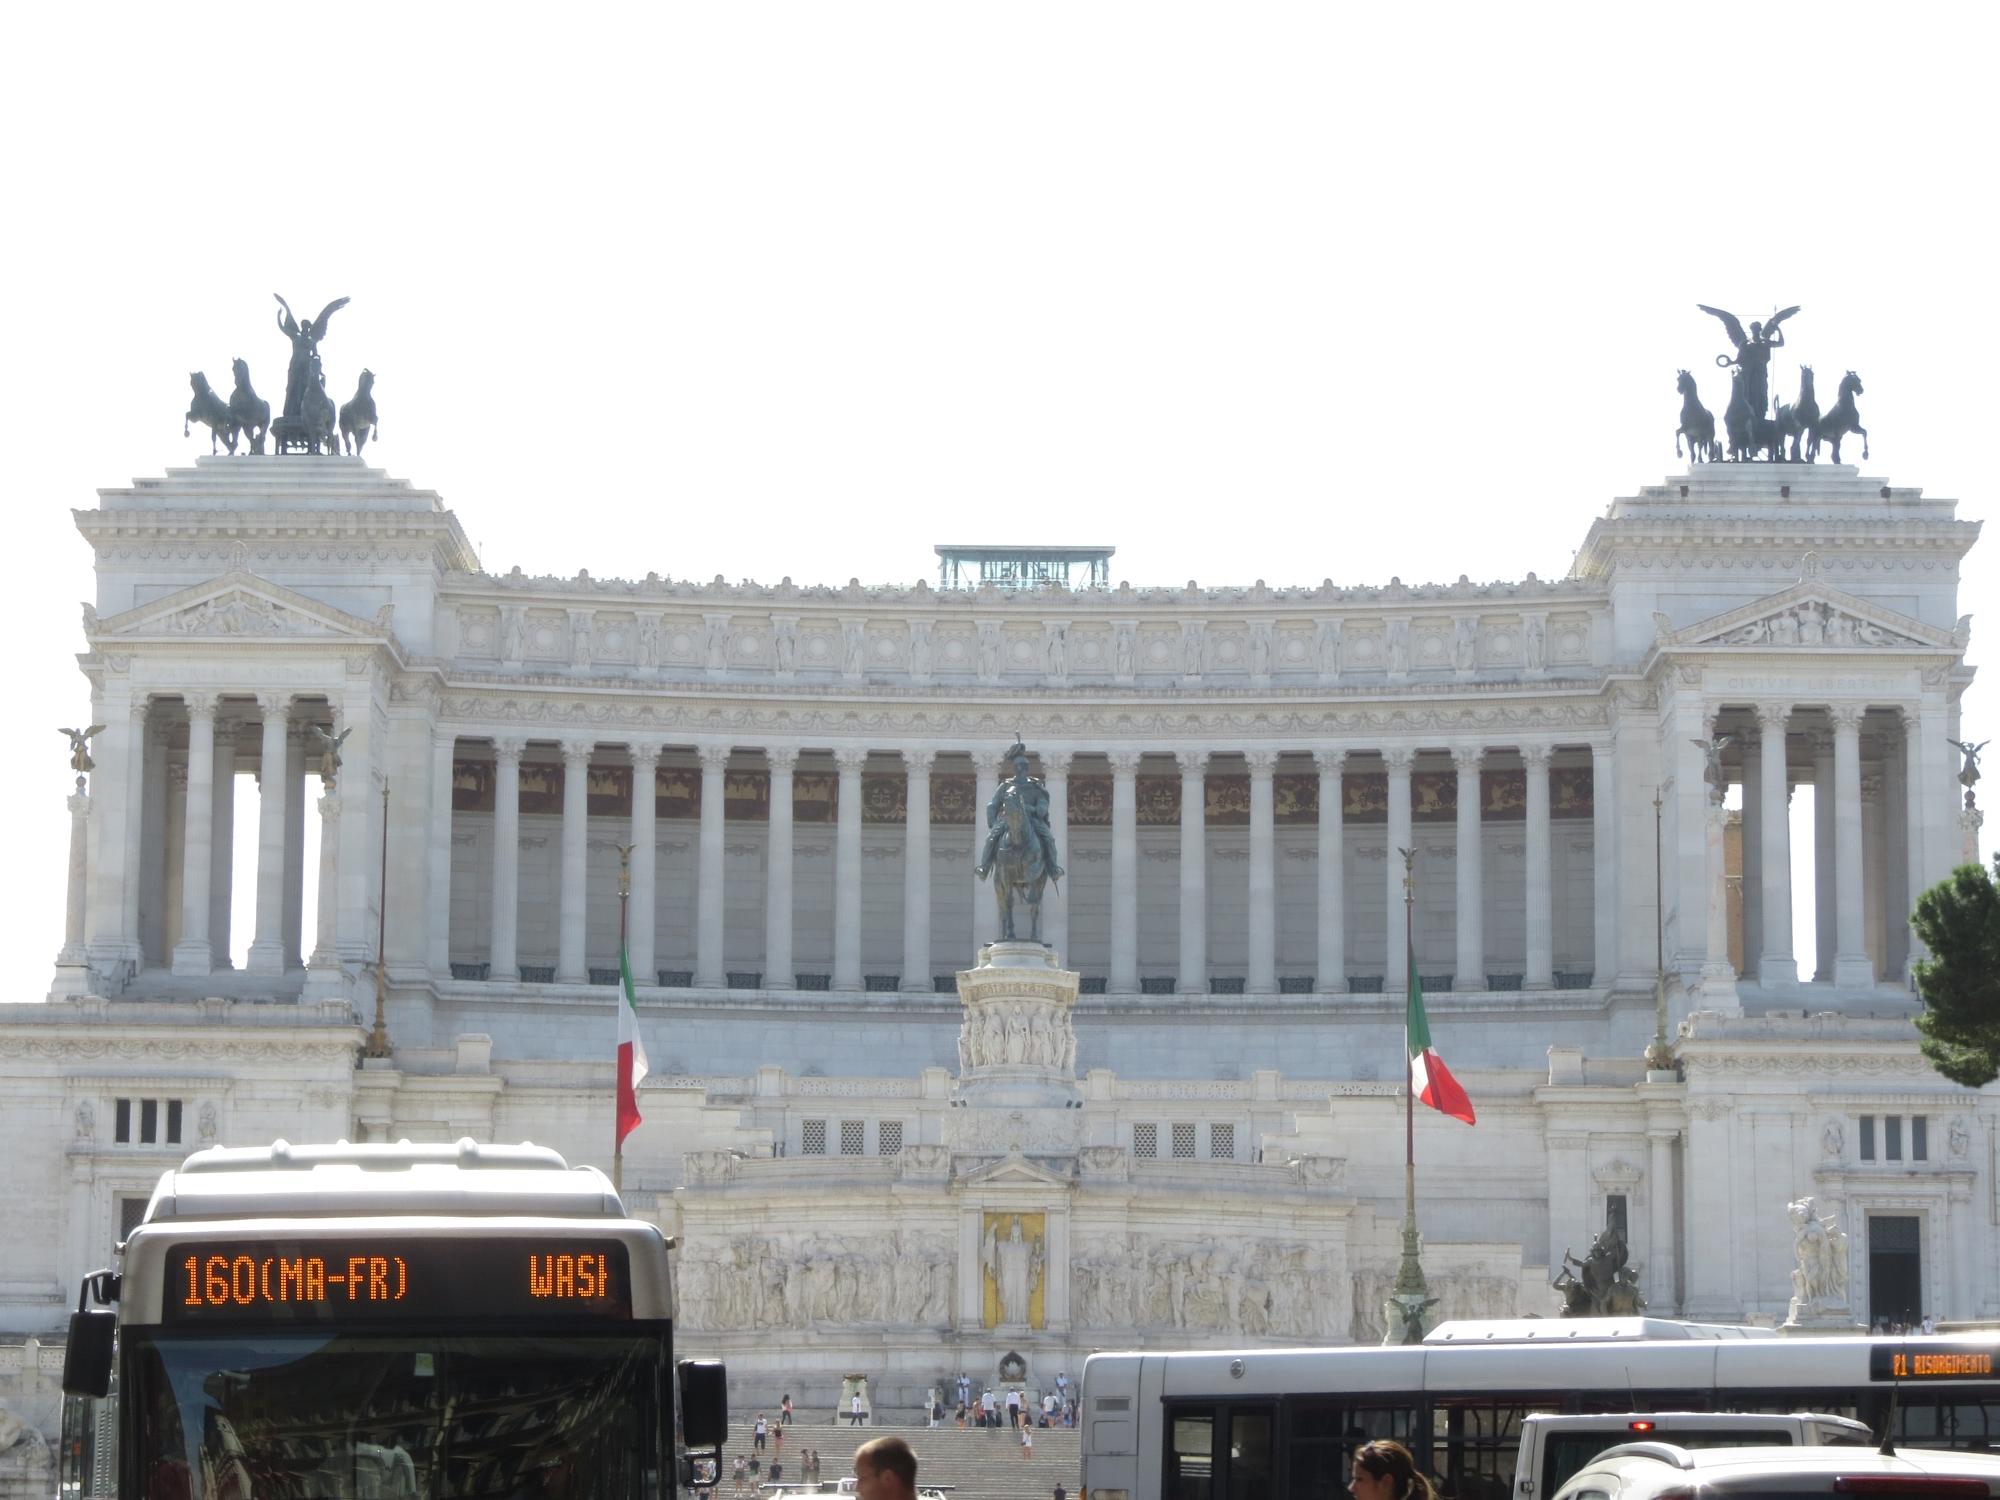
(1017, 1042)
(1820, 1322)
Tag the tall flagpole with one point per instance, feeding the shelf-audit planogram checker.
(1405, 1313)
(624, 901)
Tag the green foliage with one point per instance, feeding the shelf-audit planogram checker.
(1959, 922)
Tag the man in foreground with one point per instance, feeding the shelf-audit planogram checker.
(885, 1469)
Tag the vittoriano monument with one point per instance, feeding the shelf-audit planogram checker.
(1752, 427)
(308, 421)
(1020, 851)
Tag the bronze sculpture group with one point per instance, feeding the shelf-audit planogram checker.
(308, 422)
(1020, 849)
(1752, 426)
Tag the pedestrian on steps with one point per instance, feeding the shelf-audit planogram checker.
(1027, 1440)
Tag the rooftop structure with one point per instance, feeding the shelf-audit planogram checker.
(1017, 567)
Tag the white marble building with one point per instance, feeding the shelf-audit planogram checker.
(1221, 1157)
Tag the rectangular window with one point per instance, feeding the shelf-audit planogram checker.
(149, 1121)
(1868, 1138)
(1920, 1138)
(889, 1138)
(123, 1132)
(812, 1138)
(1146, 1140)
(1617, 1213)
(1183, 1140)
(1222, 1142)
(1892, 1137)
(131, 1214)
(851, 1134)
(173, 1122)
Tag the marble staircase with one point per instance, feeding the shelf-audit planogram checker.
(977, 1464)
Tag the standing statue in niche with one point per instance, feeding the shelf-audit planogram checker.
(1020, 849)
(1015, 1264)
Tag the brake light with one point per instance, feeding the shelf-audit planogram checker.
(1640, 1426)
(1930, 1486)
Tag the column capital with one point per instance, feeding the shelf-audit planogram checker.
(1602, 749)
(443, 738)
(141, 712)
(578, 752)
(1123, 762)
(1192, 762)
(275, 703)
(849, 759)
(199, 706)
(329, 807)
(644, 752)
(1399, 757)
(714, 758)
(918, 759)
(1261, 762)
(508, 746)
(1468, 757)
(1055, 759)
(1846, 717)
(783, 758)
(1820, 742)
(1537, 757)
(987, 762)
(1773, 717)
(1331, 758)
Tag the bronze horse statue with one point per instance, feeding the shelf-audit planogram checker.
(212, 412)
(317, 410)
(357, 417)
(1019, 865)
(1840, 421)
(1697, 424)
(251, 411)
(1805, 412)
(1752, 434)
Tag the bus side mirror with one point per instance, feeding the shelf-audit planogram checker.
(704, 1403)
(87, 1357)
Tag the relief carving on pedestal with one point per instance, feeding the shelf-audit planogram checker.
(804, 1280)
(1259, 1288)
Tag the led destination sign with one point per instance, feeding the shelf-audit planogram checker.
(394, 1278)
(1931, 1361)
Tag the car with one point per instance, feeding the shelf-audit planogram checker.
(1665, 1471)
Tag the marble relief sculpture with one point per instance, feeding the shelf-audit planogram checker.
(1015, 1263)
(1819, 1281)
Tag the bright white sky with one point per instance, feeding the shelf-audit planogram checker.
(1278, 291)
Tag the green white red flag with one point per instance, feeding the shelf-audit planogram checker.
(631, 1051)
(1430, 1079)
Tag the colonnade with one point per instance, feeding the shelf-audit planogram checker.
(503, 959)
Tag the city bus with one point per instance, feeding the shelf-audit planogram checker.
(384, 1322)
(1257, 1423)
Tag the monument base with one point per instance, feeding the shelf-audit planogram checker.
(1017, 1043)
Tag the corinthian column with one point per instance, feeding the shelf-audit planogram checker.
(222, 846)
(575, 861)
(1194, 872)
(708, 898)
(1539, 874)
(79, 868)
(917, 869)
(1055, 902)
(1471, 904)
(1851, 965)
(191, 953)
(1262, 978)
(326, 953)
(778, 975)
(985, 912)
(1396, 965)
(1777, 966)
(444, 755)
(504, 926)
(847, 872)
(1124, 976)
(642, 836)
(1604, 862)
(1332, 873)
(267, 947)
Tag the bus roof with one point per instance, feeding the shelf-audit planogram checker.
(354, 1180)
(1580, 1330)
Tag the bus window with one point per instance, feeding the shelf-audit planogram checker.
(1190, 1456)
(1474, 1448)
(1252, 1455)
(1323, 1434)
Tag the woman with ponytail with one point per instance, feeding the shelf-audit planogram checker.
(1384, 1470)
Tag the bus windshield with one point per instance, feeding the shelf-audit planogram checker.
(311, 1415)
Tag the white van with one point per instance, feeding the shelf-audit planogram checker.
(1553, 1448)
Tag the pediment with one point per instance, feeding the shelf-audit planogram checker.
(1014, 1170)
(1811, 615)
(241, 606)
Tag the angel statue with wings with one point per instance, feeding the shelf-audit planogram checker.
(1968, 771)
(305, 339)
(80, 760)
(1753, 353)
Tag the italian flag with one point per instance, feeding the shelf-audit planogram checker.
(631, 1051)
(1430, 1079)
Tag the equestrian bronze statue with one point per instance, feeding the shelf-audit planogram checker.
(1020, 850)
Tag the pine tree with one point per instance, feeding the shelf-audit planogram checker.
(1959, 921)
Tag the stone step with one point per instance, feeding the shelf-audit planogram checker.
(979, 1463)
